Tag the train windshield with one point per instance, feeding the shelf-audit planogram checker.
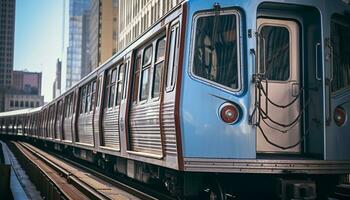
(340, 37)
(215, 56)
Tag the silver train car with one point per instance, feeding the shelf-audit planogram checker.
(216, 100)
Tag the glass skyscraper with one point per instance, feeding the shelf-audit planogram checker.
(77, 52)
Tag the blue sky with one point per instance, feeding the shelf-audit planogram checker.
(38, 39)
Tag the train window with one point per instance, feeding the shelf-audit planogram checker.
(146, 64)
(99, 83)
(66, 107)
(215, 50)
(93, 93)
(340, 38)
(106, 92)
(158, 67)
(88, 98)
(147, 56)
(120, 84)
(125, 79)
(112, 88)
(136, 76)
(173, 54)
(274, 51)
(82, 100)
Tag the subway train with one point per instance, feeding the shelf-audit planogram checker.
(218, 99)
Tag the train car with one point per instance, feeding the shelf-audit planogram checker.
(217, 100)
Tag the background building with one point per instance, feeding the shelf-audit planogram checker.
(57, 83)
(103, 31)
(25, 91)
(135, 16)
(7, 32)
(77, 51)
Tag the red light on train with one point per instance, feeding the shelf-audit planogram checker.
(339, 116)
(229, 113)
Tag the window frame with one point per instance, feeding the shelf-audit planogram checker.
(208, 82)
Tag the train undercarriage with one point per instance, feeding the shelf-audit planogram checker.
(282, 184)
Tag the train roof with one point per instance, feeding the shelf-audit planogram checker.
(20, 112)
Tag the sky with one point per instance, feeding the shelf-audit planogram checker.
(38, 39)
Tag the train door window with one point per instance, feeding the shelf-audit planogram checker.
(66, 107)
(136, 76)
(82, 99)
(71, 106)
(158, 66)
(215, 50)
(99, 85)
(120, 84)
(88, 98)
(146, 64)
(112, 88)
(274, 53)
(340, 38)
(172, 60)
(93, 93)
(108, 83)
(125, 79)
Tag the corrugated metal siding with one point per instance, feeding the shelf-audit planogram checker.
(96, 124)
(58, 129)
(169, 128)
(67, 130)
(110, 128)
(85, 129)
(145, 129)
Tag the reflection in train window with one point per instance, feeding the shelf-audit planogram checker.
(120, 84)
(215, 49)
(274, 52)
(146, 63)
(136, 76)
(158, 67)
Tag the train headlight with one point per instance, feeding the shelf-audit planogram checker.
(339, 116)
(229, 113)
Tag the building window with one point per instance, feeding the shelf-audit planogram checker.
(11, 103)
(22, 104)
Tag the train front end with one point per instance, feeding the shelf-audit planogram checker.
(265, 90)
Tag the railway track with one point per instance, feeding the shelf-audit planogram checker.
(61, 179)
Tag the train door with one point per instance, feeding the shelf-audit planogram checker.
(97, 114)
(338, 59)
(145, 133)
(279, 89)
(110, 118)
